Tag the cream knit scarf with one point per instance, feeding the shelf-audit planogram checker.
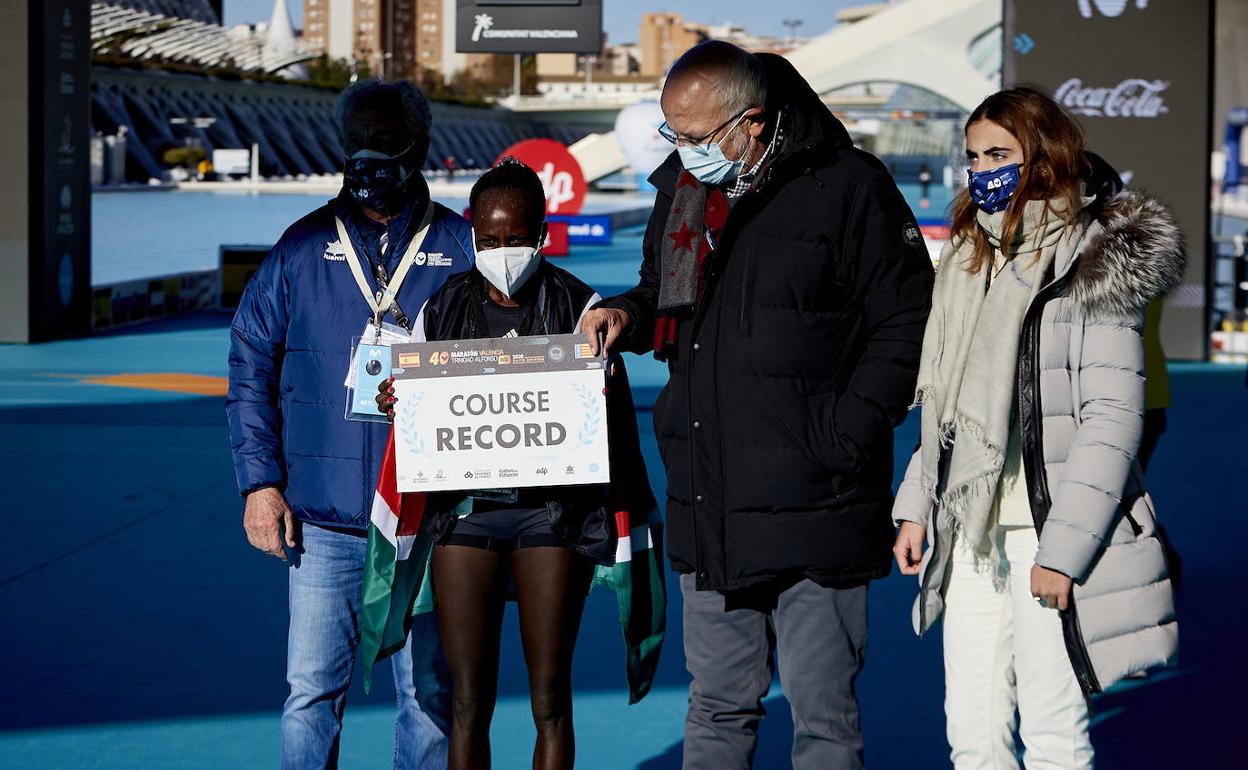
(967, 374)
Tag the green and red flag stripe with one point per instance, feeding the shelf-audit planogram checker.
(638, 582)
(394, 567)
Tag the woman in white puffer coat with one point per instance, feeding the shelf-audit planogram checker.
(1041, 548)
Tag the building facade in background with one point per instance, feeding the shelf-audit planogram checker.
(329, 27)
(394, 38)
(410, 38)
(624, 73)
(742, 38)
(664, 37)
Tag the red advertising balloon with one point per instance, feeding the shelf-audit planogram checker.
(560, 173)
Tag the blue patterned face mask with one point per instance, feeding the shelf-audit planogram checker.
(991, 190)
(376, 180)
(708, 163)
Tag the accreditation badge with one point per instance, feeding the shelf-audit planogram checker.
(370, 366)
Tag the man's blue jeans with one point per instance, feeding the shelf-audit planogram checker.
(326, 574)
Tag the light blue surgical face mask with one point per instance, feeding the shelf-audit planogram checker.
(707, 162)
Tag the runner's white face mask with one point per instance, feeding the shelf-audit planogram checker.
(509, 267)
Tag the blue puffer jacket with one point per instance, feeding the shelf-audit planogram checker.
(289, 352)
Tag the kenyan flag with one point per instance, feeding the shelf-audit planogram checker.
(637, 580)
(397, 560)
(394, 568)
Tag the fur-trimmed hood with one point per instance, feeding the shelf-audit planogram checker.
(1132, 254)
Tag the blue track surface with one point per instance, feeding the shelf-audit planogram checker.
(140, 630)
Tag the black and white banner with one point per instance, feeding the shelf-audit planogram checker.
(1137, 74)
(528, 26)
(59, 179)
(490, 413)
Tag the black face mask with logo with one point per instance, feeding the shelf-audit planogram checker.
(379, 181)
(383, 156)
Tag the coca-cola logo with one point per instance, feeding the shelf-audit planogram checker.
(1132, 98)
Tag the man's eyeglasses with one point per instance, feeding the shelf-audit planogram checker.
(667, 133)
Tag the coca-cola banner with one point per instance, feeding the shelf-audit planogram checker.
(1132, 98)
(1137, 74)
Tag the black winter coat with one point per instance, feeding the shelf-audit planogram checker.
(776, 424)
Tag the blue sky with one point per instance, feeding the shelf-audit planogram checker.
(622, 19)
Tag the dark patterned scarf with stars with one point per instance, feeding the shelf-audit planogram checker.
(693, 227)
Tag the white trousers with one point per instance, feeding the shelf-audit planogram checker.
(1005, 661)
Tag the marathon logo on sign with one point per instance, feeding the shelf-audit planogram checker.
(1132, 98)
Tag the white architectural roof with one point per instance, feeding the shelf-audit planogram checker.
(948, 47)
(135, 30)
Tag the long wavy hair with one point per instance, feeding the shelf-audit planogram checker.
(1053, 168)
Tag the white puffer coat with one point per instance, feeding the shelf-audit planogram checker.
(1080, 407)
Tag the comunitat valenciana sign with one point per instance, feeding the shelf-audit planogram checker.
(528, 26)
(1136, 75)
(499, 414)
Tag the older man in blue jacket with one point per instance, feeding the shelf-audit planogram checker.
(306, 472)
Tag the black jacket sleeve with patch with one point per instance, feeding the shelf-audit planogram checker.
(893, 285)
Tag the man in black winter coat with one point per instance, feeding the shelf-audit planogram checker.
(785, 282)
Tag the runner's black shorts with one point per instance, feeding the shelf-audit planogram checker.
(504, 530)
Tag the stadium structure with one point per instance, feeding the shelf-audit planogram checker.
(167, 74)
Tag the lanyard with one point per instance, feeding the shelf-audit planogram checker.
(383, 300)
